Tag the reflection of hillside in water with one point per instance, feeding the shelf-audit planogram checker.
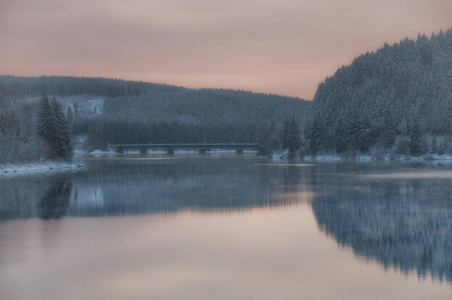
(401, 223)
(177, 185)
(122, 187)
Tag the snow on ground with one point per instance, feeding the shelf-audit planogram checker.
(386, 157)
(78, 142)
(87, 105)
(324, 158)
(37, 168)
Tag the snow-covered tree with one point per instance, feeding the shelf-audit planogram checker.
(46, 123)
(52, 127)
(69, 116)
(415, 140)
(63, 140)
(2, 124)
(386, 91)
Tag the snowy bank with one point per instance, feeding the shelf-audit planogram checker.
(37, 168)
(385, 157)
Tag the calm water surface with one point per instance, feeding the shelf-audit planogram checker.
(227, 227)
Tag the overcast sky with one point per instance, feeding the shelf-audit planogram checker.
(273, 46)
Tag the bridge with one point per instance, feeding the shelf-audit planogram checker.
(170, 148)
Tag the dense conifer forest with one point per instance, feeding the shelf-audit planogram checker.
(138, 112)
(396, 100)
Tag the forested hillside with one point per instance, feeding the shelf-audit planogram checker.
(397, 100)
(185, 116)
(139, 112)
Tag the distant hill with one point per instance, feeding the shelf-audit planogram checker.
(118, 111)
(395, 99)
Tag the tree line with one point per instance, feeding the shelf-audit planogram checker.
(396, 100)
(137, 112)
(30, 131)
(188, 116)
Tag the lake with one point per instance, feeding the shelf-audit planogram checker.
(227, 227)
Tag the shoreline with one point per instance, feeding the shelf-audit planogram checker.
(50, 167)
(379, 158)
(35, 168)
(363, 158)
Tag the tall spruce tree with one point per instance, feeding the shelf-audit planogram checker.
(2, 124)
(264, 137)
(294, 138)
(341, 135)
(69, 116)
(52, 127)
(291, 137)
(285, 135)
(62, 135)
(45, 127)
(415, 140)
(316, 134)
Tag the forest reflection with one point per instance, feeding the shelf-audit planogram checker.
(402, 223)
(127, 187)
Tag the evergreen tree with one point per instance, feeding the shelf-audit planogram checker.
(434, 149)
(294, 139)
(341, 136)
(69, 116)
(274, 142)
(264, 137)
(45, 126)
(52, 127)
(62, 136)
(2, 124)
(389, 132)
(285, 135)
(384, 90)
(268, 140)
(316, 134)
(76, 110)
(291, 137)
(415, 140)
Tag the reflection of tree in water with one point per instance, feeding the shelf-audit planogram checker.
(405, 224)
(35, 196)
(129, 187)
(54, 204)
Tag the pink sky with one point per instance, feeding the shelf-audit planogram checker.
(274, 46)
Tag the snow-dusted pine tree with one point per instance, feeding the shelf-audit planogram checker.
(62, 136)
(45, 127)
(52, 127)
(2, 124)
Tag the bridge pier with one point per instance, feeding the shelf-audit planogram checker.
(202, 151)
(170, 151)
(239, 151)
